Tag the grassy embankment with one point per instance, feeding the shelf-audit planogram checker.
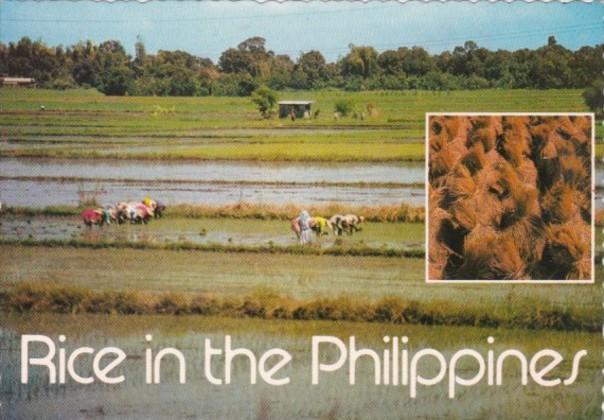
(46, 279)
(383, 213)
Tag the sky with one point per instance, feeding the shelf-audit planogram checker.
(206, 28)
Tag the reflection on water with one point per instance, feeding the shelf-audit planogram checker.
(50, 193)
(205, 171)
(108, 189)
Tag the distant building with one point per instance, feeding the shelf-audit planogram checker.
(17, 81)
(300, 108)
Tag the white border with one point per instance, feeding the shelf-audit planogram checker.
(593, 196)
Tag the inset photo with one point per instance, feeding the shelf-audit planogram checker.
(510, 197)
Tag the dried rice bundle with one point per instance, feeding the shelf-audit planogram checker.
(567, 252)
(490, 255)
(511, 198)
(438, 252)
(576, 172)
(484, 131)
(516, 141)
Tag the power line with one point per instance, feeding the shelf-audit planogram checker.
(440, 42)
(589, 26)
(503, 36)
(195, 19)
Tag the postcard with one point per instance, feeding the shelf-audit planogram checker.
(301, 210)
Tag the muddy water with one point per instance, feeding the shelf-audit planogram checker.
(109, 188)
(205, 171)
(201, 231)
(23, 193)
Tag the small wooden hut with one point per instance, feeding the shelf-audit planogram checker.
(299, 108)
(17, 81)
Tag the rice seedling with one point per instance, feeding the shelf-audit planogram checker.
(262, 211)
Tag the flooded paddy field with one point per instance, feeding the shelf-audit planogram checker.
(209, 171)
(333, 397)
(224, 231)
(42, 193)
(46, 182)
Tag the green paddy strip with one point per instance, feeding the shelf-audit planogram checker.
(355, 251)
(215, 182)
(243, 210)
(44, 298)
(265, 152)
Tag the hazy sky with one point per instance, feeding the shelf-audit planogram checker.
(208, 28)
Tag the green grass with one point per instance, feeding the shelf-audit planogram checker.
(299, 277)
(230, 128)
(393, 107)
(254, 152)
(360, 250)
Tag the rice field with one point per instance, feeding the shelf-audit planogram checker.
(222, 231)
(85, 124)
(332, 398)
(232, 181)
(300, 277)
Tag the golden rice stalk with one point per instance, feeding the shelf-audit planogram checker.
(567, 253)
(490, 255)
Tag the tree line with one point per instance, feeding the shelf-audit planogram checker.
(242, 69)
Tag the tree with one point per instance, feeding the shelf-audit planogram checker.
(250, 57)
(117, 81)
(391, 63)
(253, 45)
(281, 71)
(265, 100)
(594, 97)
(360, 61)
(310, 70)
(416, 61)
(242, 69)
(140, 52)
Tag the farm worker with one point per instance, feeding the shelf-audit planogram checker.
(319, 225)
(106, 216)
(303, 221)
(292, 115)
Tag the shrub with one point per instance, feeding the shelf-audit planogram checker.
(344, 107)
(594, 97)
(265, 100)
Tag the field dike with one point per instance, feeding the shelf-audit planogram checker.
(355, 251)
(244, 210)
(42, 298)
(410, 152)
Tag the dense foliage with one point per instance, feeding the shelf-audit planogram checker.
(241, 70)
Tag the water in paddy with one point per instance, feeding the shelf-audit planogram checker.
(332, 398)
(132, 180)
(207, 171)
(205, 231)
(26, 193)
